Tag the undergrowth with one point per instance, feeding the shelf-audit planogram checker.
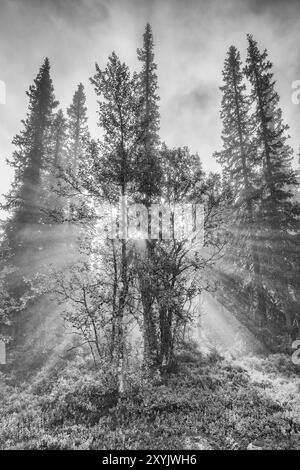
(79, 408)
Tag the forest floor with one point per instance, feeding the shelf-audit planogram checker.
(206, 402)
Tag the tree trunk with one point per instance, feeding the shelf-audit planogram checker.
(150, 336)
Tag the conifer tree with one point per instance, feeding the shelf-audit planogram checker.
(237, 158)
(77, 140)
(271, 139)
(55, 205)
(30, 159)
(59, 133)
(240, 170)
(148, 180)
(78, 133)
(148, 159)
(278, 212)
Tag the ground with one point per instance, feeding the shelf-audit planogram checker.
(224, 392)
(206, 402)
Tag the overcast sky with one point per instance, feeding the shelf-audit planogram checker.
(191, 40)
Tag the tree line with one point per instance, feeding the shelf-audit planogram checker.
(109, 286)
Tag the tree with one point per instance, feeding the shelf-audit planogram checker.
(30, 159)
(238, 156)
(278, 212)
(148, 157)
(59, 132)
(241, 165)
(77, 138)
(148, 180)
(181, 263)
(55, 205)
(118, 111)
(77, 128)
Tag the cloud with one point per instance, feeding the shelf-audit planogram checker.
(272, 6)
(191, 39)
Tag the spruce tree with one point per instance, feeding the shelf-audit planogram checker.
(271, 139)
(278, 213)
(240, 166)
(148, 159)
(59, 133)
(78, 133)
(77, 140)
(148, 180)
(55, 205)
(30, 159)
(238, 157)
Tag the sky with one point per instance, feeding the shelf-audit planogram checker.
(191, 40)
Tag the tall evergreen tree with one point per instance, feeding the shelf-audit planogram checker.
(278, 212)
(148, 159)
(55, 203)
(30, 159)
(78, 133)
(78, 137)
(271, 138)
(148, 179)
(23, 233)
(240, 166)
(238, 157)
(59, 133)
